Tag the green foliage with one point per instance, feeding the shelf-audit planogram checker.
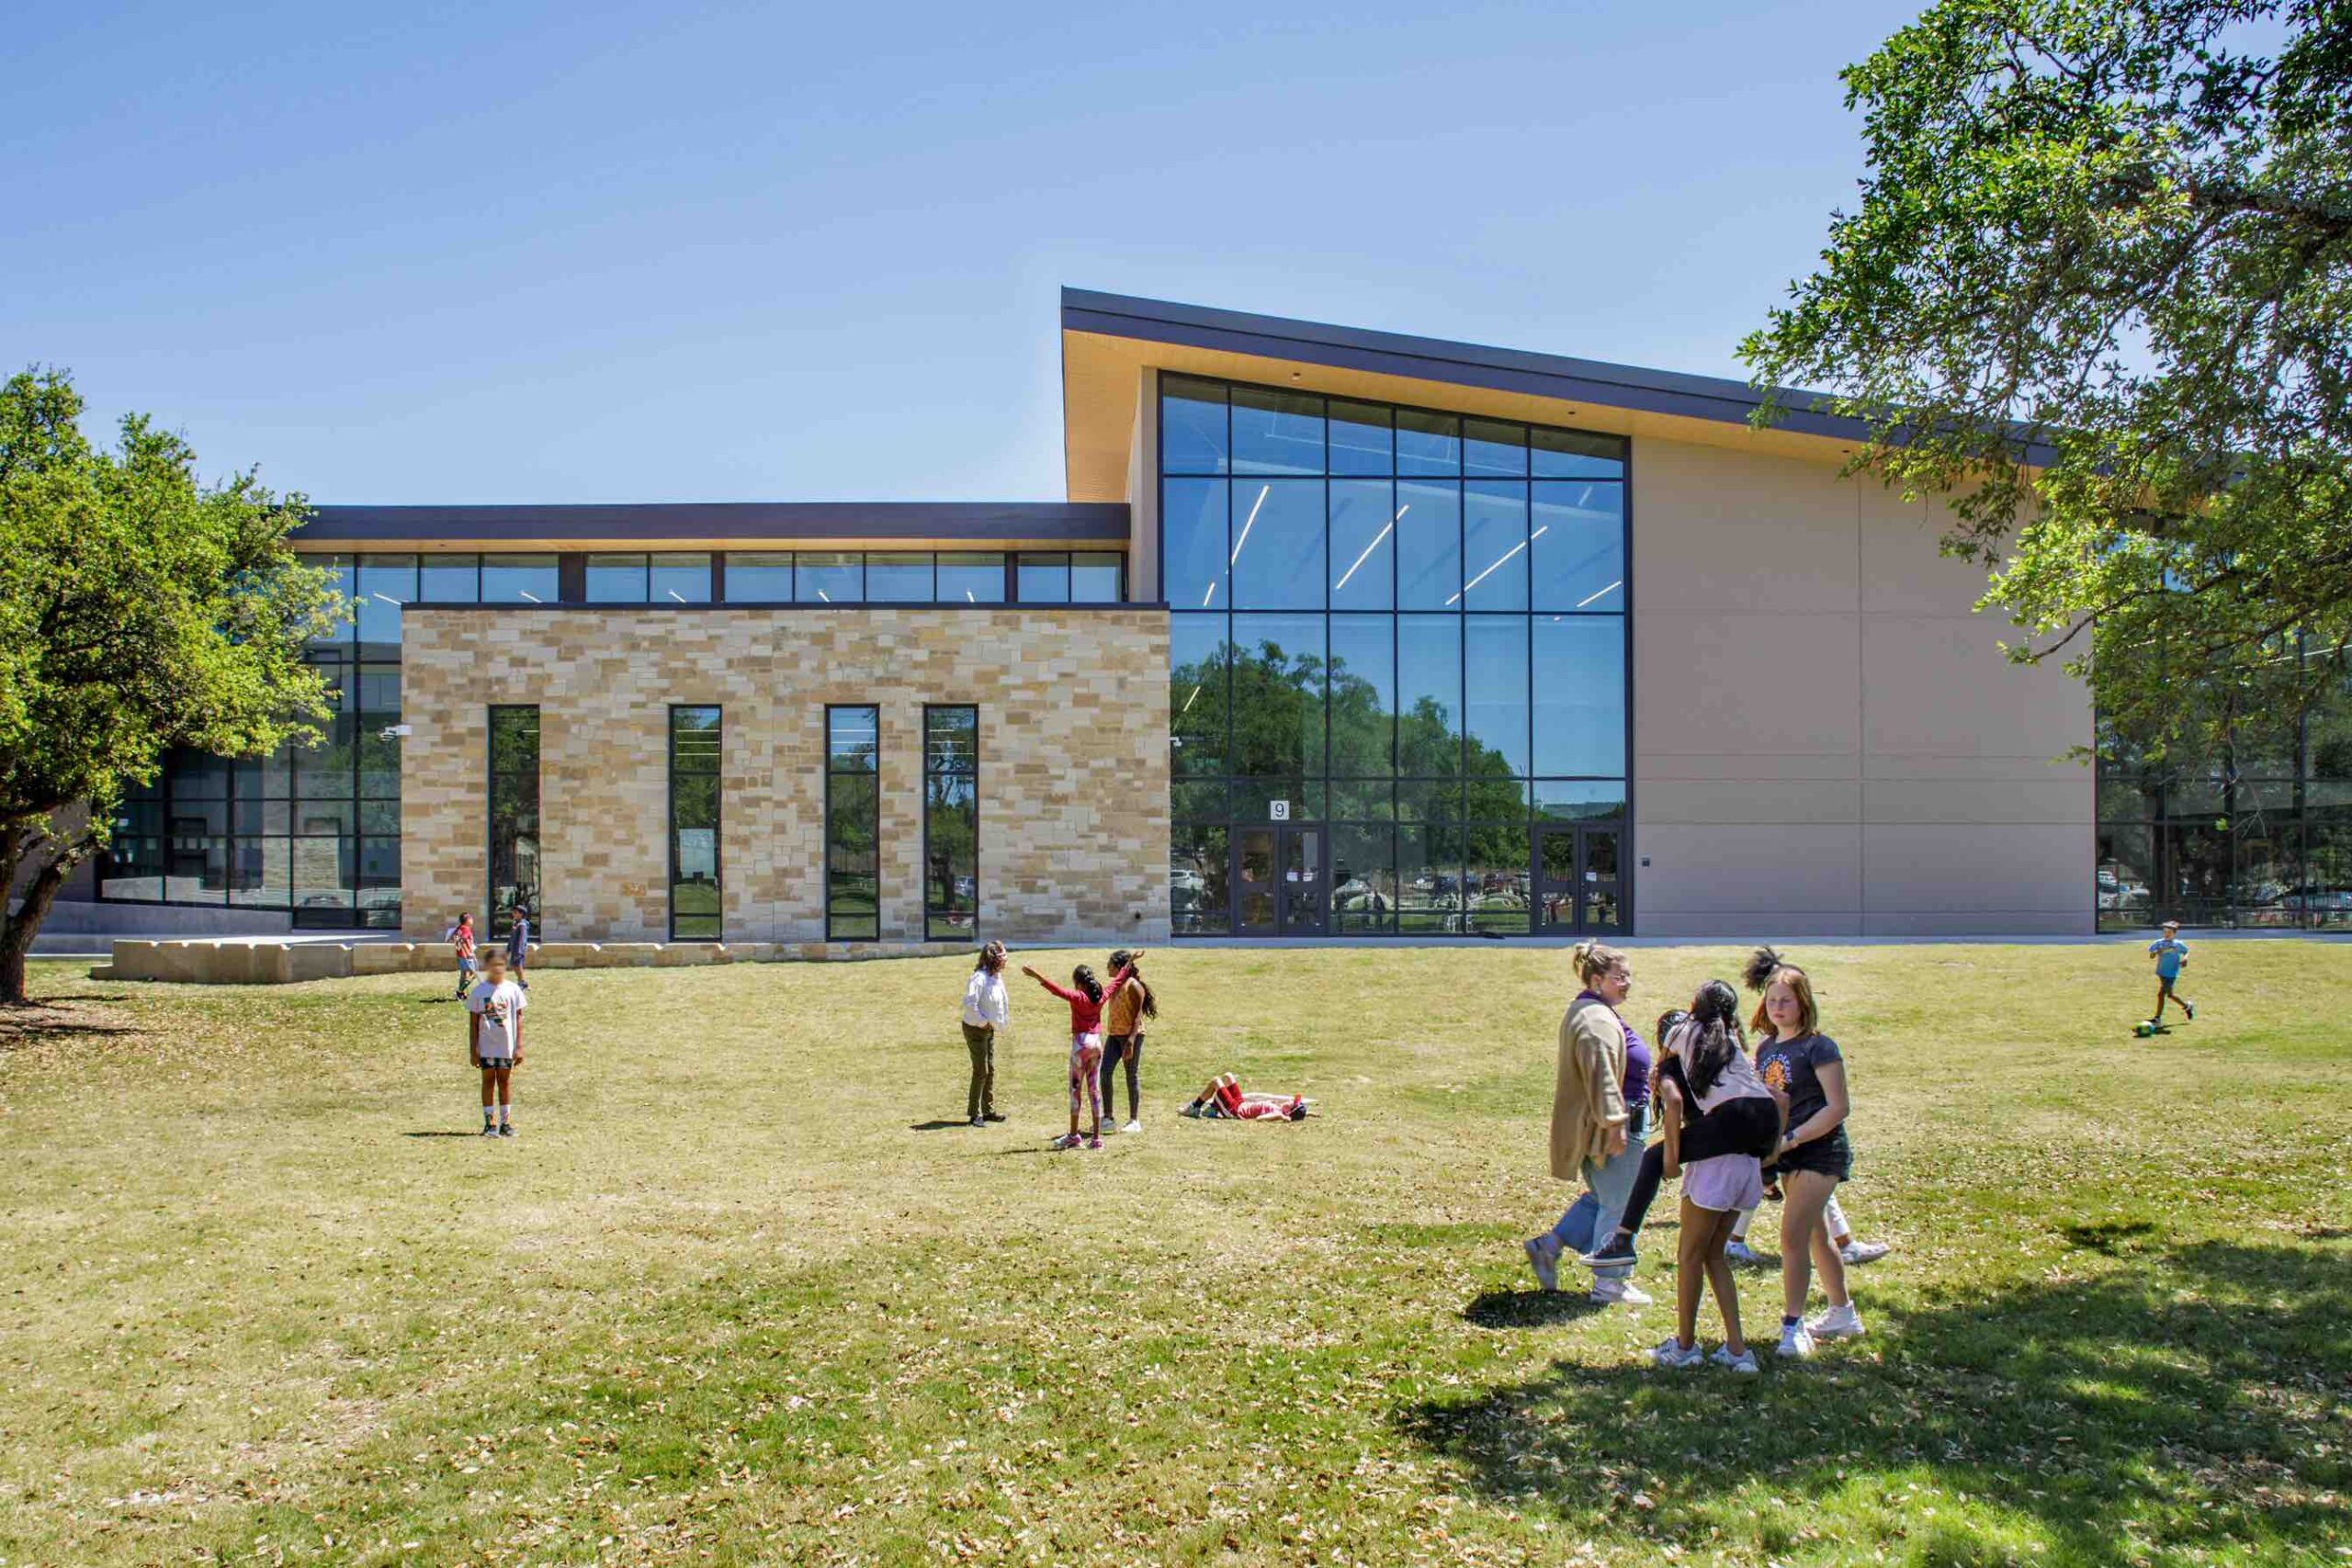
(2114, 239)
(140, 609)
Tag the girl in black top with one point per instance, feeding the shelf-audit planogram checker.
(1795, 1058)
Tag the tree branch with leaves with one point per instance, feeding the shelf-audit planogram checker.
(140, 610)
(2097, 296)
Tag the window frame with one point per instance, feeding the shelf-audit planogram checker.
(826, 838)
(930, 773)
(718, 818)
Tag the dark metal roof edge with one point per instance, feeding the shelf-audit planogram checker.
(1436, 359)
(1629, 387)
(979, 521)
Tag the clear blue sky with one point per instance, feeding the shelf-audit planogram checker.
(600, 252)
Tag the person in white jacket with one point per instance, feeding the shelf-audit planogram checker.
(985, 1011)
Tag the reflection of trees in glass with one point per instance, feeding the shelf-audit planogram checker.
(1279, 704)
(951, 821)
(514, 814)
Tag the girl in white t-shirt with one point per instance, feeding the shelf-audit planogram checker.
(1711, 1055)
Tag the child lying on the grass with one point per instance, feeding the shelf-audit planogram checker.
(1222, 1099)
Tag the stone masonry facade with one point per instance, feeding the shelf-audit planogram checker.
(1073, 761)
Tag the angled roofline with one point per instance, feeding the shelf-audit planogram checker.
(1589, 381)
(982, 522)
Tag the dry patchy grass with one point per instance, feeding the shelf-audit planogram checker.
(728, 1300)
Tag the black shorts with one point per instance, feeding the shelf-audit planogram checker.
(1832, 1155)
(490, 1062)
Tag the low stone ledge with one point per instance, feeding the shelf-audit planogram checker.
(244, 962)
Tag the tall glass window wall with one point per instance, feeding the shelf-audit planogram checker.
(2257, 835)
(1397, 666)
(313, 832)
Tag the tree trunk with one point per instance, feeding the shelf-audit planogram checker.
(24, 922)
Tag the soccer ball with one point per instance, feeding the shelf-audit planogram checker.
(2144, 1030)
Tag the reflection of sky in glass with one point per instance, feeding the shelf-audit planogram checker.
(829, 579)
(1580, 695)
(1278, 544)
(1494, 549)
(1363, 534)
(1578, 560)
(616, 579)
(1193, 517)
(1361, 440)
(1495, 652)
(1427, 442)
(1276, 433)
(1429, 544)
(1192, 427)
(1490, 446)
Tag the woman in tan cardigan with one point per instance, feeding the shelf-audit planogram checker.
(1596, 1138)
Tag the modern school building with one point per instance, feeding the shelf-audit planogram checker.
(1336, 633)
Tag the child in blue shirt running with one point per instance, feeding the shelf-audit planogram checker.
(2170, 953)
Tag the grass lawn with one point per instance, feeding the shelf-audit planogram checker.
(745, 1290)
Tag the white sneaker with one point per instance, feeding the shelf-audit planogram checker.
(1795, 1343)
(1739, 1252)
(1863, 1252)
(1837, 1322)
(1619, 1292)
(1544, 1257)
(1132, 1127)
(1743, 1362)
(1674, 1356)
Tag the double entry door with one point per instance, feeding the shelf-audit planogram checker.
(1281, 881)
(1579, 879)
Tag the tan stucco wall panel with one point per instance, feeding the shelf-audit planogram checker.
(1828, 740)
(1725, 684)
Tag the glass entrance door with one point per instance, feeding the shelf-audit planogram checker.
(1254, 882)
(1579, 879)
(1281, 881)
(1306, 898)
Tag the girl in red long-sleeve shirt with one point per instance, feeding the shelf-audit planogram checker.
(1085, 1047)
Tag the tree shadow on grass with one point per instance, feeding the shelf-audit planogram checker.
(1528, 1309)
(42, 1023)
(2191, 1397)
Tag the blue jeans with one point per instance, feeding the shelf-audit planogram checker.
(1592, 1218)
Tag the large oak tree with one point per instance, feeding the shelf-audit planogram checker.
(140, 609)
(2098, 293)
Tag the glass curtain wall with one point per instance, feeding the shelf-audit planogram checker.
(1403, 629)
(513, 816)
(853, 823)
(951, 822)
(695, 905)
(2257, 835)
(311, 832)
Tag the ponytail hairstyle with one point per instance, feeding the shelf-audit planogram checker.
(992, 959)
(1135, 974)
(1766, 968)
(1083, 978)
(1594, 960)
(1715, 1020)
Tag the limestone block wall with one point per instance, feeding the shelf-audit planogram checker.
(1073, 745)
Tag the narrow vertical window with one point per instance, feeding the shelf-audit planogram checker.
(695, 749)
(513, 816)
(951, 822)
(852, 824)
